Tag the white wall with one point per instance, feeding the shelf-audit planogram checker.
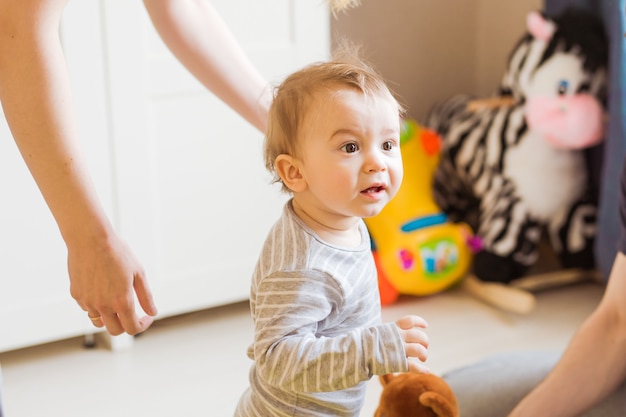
(428, 50)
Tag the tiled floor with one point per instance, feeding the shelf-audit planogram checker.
(195, 365)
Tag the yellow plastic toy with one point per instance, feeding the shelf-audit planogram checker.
(417, 251)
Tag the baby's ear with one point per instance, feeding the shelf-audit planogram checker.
(287, 168)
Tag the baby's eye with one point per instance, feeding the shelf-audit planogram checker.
(350, 147)
(388, 145)
(563, 86)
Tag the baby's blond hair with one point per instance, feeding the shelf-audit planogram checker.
(339, 5)
(293, 98)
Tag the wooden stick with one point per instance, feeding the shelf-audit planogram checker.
(495, 102)
(502, 296)
(490, 103)
(547, 280)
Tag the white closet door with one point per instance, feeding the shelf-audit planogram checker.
(35, 303)
(194, 198)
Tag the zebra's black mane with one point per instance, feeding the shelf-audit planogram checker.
(578, 28)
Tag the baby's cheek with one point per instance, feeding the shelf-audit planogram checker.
(396, 174)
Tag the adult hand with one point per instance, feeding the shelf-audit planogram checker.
(104, 278)
(36, 99)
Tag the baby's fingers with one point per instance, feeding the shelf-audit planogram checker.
(414, 335)
(416, 354)
(417, 367)
(416, 350)
(408, 322)
(415, 342)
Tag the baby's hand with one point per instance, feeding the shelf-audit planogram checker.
(415, 342)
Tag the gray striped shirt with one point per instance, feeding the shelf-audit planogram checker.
(318, 332)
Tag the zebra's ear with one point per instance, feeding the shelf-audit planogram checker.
(539, 27)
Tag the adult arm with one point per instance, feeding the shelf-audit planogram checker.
(594, 363)
(198, 37)
(37, 102)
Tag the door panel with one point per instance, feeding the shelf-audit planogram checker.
(195, 201)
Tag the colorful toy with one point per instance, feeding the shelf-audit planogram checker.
(416, 395)
(417, 251)
(520, 171)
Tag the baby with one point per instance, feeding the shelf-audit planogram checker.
(333, 142)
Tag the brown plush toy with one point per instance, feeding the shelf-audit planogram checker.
(416, 395)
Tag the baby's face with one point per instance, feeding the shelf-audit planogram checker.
(350, 152)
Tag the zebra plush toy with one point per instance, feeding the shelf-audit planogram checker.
(517, 171)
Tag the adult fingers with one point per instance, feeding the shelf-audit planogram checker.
(128, 321)
(96, 319)
(112, 323)
(120, 316)
(117, 324)
(122, 319)
(144, 295)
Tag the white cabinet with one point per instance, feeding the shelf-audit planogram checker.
(180, 174)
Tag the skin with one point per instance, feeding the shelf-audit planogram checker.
(348, 167)
(594, 363)
(105, 277)
(199, 38)
(349, 146)
(34, 86)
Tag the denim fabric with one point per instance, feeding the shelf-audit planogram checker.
(612, 13)
(493, 387)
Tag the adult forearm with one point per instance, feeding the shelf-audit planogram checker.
(36, 97)
(199, 38)
(593, 364)
(37, 102)
(562, 393)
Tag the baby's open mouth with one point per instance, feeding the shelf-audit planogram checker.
(371, 190)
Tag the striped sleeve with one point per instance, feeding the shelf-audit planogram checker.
(291, 354)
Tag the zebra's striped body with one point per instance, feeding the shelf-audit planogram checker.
(505, 178)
